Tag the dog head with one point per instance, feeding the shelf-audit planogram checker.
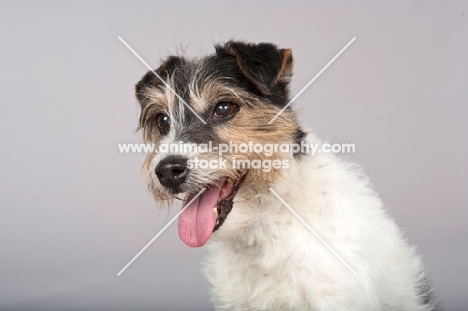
(224, 99)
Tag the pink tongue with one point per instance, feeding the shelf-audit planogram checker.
(197, 221)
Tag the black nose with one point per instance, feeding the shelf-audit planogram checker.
(172, 171)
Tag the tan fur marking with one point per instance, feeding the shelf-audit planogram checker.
(251, 124)
(285, 71)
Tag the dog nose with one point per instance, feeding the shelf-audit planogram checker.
(172, 171)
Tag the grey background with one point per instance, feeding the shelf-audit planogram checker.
(74, 210)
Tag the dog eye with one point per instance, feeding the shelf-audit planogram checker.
(162, 121)
(224, 110)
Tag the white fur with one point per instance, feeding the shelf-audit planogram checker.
(263, 258)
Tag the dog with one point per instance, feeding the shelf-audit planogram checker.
(261, 255)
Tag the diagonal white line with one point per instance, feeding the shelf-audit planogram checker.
(313, 232)
(313, 79)
(162, 230)
(167, 85)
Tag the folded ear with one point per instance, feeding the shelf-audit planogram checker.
(263, 64)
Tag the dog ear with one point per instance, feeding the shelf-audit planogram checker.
(263, 64)
(166, 68)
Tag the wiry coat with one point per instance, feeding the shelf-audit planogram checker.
(263, 257)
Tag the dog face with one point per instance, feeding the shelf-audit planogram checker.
(236, 91)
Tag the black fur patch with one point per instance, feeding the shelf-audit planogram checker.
(298, 136)
(427, 296)
(259, 67)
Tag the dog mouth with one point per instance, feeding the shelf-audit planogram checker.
(208, 211)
